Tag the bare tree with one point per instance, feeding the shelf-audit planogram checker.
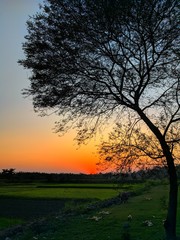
(91, 60)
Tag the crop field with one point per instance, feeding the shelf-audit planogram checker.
(59, 191)
(61, 206)
(31, 201)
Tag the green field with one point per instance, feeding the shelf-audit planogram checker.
(65, 218)
(59, 191)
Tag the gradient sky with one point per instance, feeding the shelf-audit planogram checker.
(27, 141)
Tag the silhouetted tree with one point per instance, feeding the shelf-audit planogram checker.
(132, 146)
(91, 60)
(8, 173)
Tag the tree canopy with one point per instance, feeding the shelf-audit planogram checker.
(91, 60)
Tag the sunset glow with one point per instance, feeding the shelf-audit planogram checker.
(42, 150)
(27, 141)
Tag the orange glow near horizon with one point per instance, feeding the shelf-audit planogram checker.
(43, 151)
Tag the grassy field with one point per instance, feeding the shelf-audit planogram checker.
(149, 206)
(22, 202)
(71, 191)
(59, 191)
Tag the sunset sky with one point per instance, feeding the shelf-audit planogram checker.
(27, 141)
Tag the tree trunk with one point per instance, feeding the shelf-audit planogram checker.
(170, 223)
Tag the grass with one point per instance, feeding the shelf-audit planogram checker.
(112, 222)
(8, 222)
(114, 225)
(58, 191)
(21, 202)
(65, 191)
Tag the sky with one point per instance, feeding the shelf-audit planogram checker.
(27, 141)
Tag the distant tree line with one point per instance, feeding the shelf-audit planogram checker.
(10, 175)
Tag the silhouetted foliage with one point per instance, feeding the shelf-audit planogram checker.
(91, 60)
(110, 177)
(8, 173)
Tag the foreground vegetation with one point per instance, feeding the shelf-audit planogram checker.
(65, 214)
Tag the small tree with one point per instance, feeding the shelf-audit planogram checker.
(8, 173)
(91, 60)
